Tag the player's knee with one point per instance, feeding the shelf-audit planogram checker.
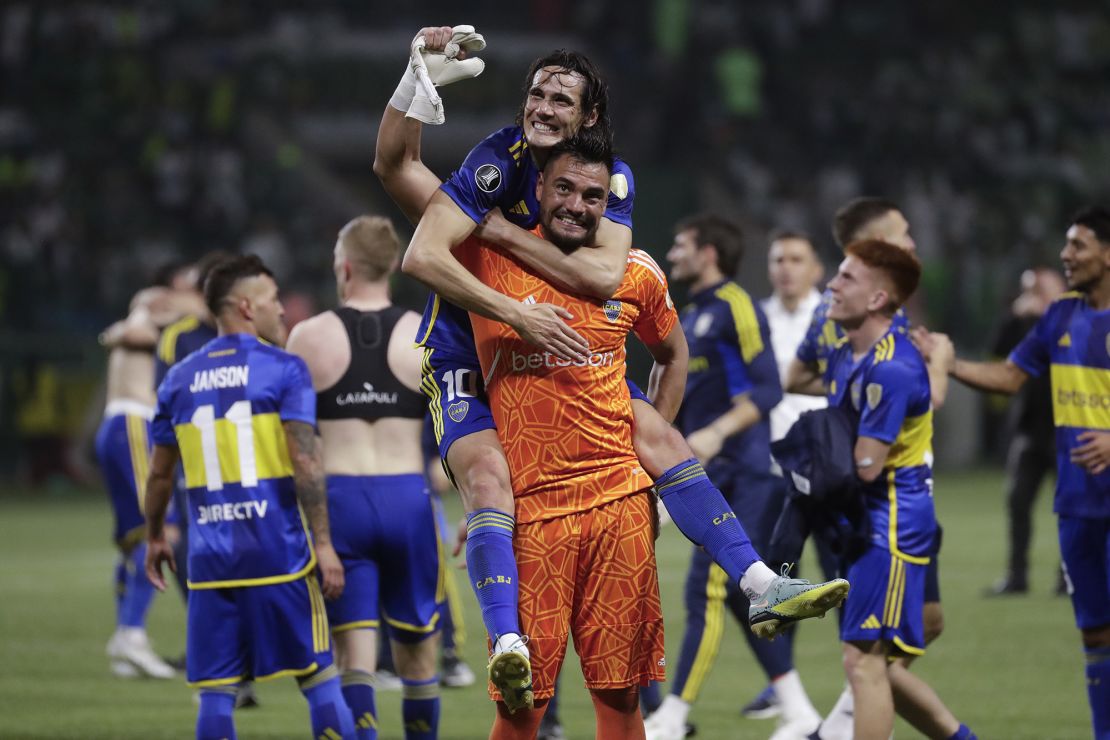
(416, 661)
(933, 621)
(622, 701)
(864, 665)
(484, 479)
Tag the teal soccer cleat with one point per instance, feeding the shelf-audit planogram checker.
(789, 600)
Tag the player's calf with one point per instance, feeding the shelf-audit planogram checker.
(328, 711)
(214, 717)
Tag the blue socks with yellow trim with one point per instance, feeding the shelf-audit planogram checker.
(420, 708)
(330, 715)
(214, 720)
(358, 691)
(138, 591)
(1098, 690)
(702, 514)
(491, 564)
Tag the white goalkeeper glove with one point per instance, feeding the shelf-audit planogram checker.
(433, 69)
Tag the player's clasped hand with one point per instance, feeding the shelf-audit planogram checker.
(1093, 452)
(332, 578)
(158, 552)
(544, 325)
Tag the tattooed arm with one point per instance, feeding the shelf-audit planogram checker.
(312, 494)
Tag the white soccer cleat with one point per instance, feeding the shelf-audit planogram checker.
(131, 646)
(510, 671)
(664, 726)
(797, 729)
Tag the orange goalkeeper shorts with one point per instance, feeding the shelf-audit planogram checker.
(592, 575)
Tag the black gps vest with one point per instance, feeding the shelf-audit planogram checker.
(369, 390)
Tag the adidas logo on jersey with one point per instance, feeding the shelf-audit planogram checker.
(521, 209)
(871, 623)
(1065, 341)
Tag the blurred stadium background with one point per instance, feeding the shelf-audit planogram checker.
(137, 133)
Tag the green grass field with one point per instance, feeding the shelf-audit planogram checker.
(1010, 668)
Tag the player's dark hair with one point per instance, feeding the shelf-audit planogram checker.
(584, 147)
(850, 220)
(164, 275)
(900, 267)
(1097, 219)
(780, 234)
(595, 94)
(224, 275)
(207, 262)
(719, 232)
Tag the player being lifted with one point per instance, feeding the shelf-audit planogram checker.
(240, 414)
(564, 95)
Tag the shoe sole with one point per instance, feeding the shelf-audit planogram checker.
(812, 603)
(511, 674)
(769, 712)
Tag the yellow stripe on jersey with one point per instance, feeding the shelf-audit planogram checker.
(884, 350)
(431, 322)
(140, 461)
(167, 343)
(743, 314)
(892, 527)
(431, 391)
(710, 642)
(1081, 397)
(892, 593)
(914, 444)
(271, 452)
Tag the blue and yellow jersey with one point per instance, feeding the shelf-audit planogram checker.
(730, 354)
(824, 334)
(888, 388)
(1072, 342)
(500, 173)
(179, 340)
(223, 406)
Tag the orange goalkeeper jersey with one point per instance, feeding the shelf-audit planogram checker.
(567, 427)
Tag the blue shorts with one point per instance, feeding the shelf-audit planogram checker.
(1085, 549)
(456, 398)
(260, 631)
(932, 570)
(886, 602)
(123, 449)
(385, 532)
(635, 392)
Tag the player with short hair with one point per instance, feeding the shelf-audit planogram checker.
(366, 374)
(122, 449)
(877, 373)
(240, 413)
(876, 218)
(584, 537)
(564, 95)
(732, 386)
(1071, 342)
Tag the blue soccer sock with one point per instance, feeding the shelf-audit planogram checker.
(491, 564)
(358, 691)
(702, 514)
(420, 708)
(138, 591)
(1098, 690)
(119, 582)
(964, 733)
(326, 707)
(650, 697)
(214, 720)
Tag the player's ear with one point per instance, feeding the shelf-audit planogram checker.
(879, 299)
(539, 188)
(590, 118)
